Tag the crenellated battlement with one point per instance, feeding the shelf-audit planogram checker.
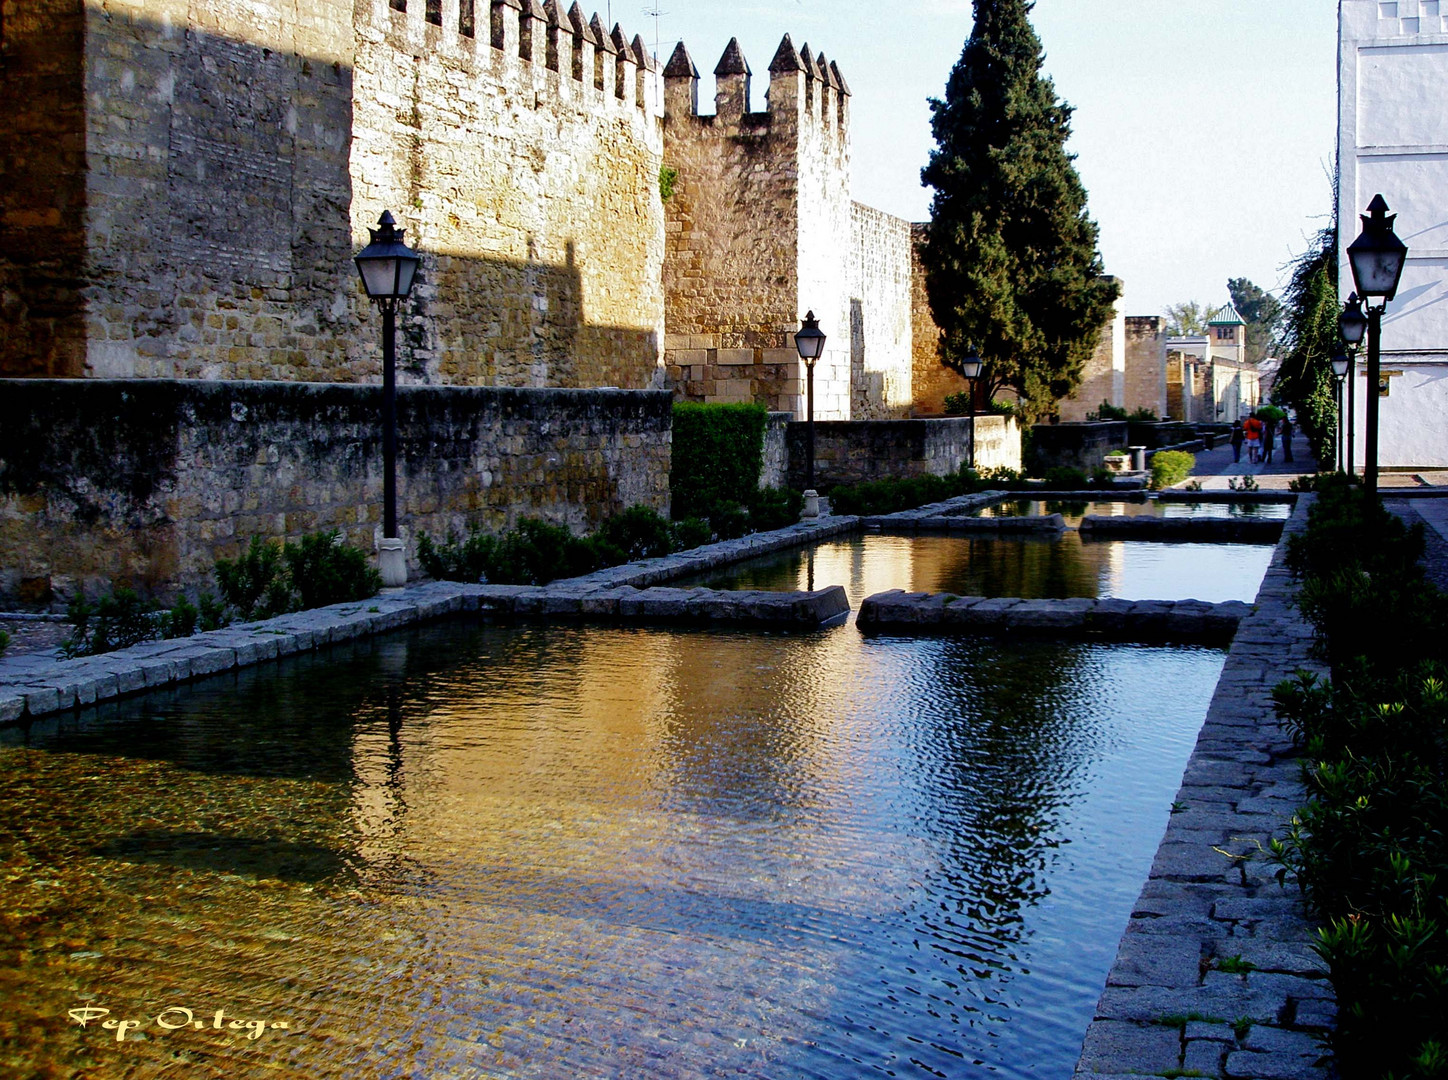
(806, 92)
(526, 44)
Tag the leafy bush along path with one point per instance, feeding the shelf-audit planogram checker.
(270, 578)
(1370, 849)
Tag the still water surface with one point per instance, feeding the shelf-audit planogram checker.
(1031, 566)
(1073, 512)
(591, 852)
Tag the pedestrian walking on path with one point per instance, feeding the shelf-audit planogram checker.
(1287, 439)
(1269, 437)
(1253, 427)
(1238, 438)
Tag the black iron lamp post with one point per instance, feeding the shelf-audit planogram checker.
(1339, 372)
(1377, 258)
(388, 268)
(970, 368)
(1352, 324)
(810, 342)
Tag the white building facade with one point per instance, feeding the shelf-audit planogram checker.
(1393, 141)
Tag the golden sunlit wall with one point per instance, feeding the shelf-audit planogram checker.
(214, 167)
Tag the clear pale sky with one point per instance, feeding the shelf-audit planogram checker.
(1204, 129)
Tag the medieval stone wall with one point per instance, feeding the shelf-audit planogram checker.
(762, 198)
(526, 160)
(42, 188)
(861, 451)
(1103, 377)
(930, 380)
(1146, 364)
(236, 152)
(147, 482)
(880, 315)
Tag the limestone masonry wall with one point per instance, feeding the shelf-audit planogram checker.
(236, 152)
(148, 482)
(1146, 364)
(880, 315)
(930, 380)
(1103, 377)
(856, 452)
(758, 231)
(42, 196)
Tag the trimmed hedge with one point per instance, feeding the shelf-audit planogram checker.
(718, 452)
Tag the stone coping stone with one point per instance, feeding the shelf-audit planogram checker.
(1213, 895)
(1219, 530)
(1193, 621)
(35, 687)
(959, 524)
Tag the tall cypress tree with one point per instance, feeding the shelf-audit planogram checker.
(1011, 265)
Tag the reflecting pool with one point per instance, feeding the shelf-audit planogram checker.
(1074, 511)
(492, 851)
(1054, 565)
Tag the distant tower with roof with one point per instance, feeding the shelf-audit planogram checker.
(1227, 334)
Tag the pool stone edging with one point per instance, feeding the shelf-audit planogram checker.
(898, 612)
(32, 687)
(1212, 895)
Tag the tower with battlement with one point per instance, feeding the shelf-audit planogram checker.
(758, 231)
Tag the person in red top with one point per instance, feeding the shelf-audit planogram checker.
(1253, 428)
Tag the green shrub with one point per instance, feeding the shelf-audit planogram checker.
(1142, 416)
(775, 508)
(117, 621)
(957, 404)
(997, 407)
(718, 451)
(639, 533)
(1065, 478)
(692, 533)
(1108, 411)
(255, 583)
(1170, 467)
(1369, 849)
(271, 578)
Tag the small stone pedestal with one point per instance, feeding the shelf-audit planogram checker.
(811, 504)
(391, 562)
(1138, 458)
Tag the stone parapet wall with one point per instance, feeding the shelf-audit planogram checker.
(860, 451)
(148, 482)
(1077, 446)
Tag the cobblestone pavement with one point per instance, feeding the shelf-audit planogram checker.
(1215, 975)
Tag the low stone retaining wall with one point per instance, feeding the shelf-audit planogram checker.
(147, 482)
(1081, 445)
(856, 451)
(1117, 620)
(1228, 530)
(1215, 975)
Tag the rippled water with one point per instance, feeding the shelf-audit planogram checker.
(1033, 566)
(1073, 512)
(589, 852)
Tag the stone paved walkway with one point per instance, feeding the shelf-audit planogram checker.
(1215, 975)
